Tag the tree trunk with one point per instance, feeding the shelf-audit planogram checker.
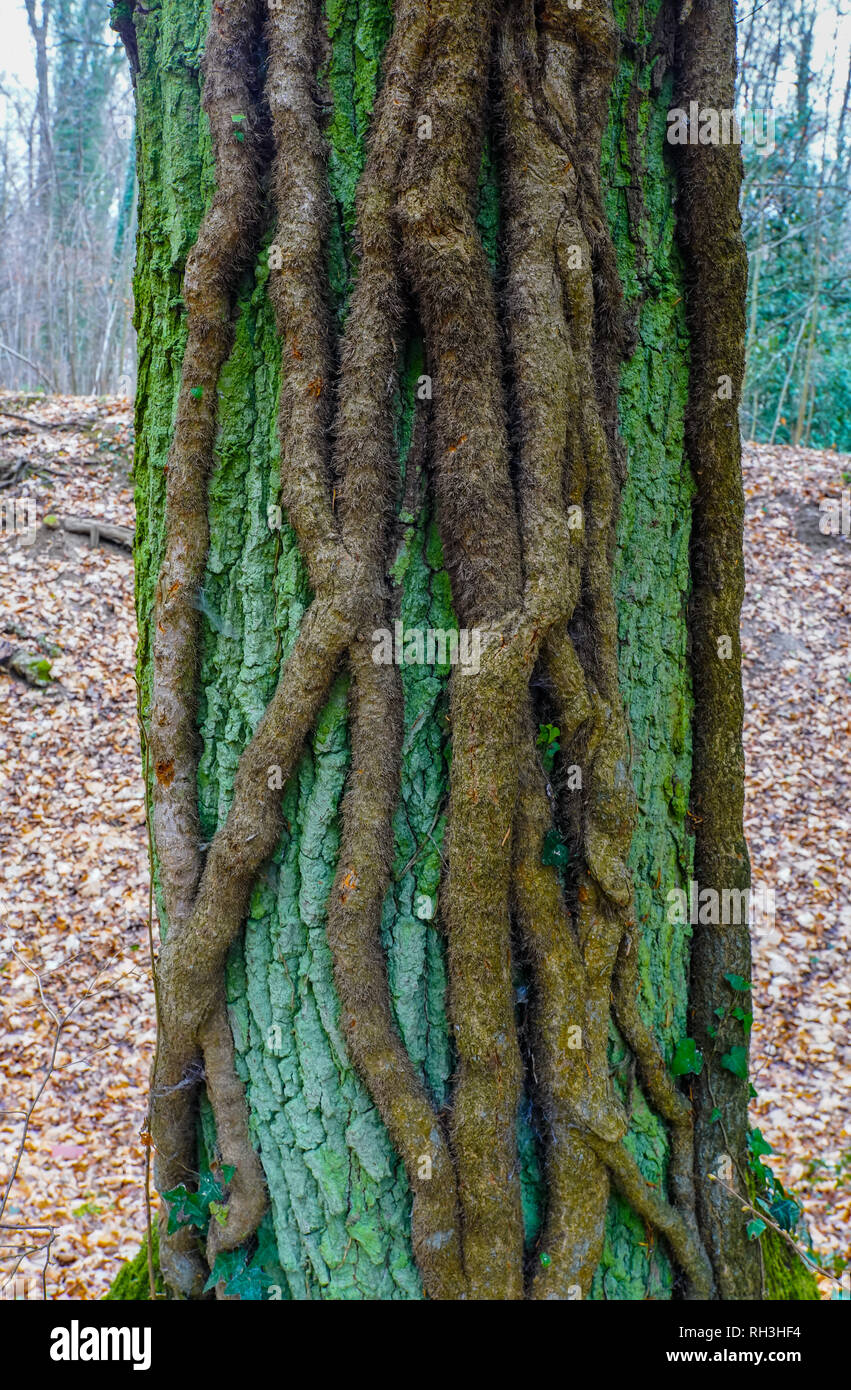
(431, 324)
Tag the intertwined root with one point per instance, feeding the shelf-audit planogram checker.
(521, 568)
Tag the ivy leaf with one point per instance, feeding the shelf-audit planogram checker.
(687, 1059)
(240, 116)
(755, 1228)
(186, 1209)
(547, 734)
(745, 1019)
(785, 1213)
(553, 851)
(249, 1285)
(227, 1266)
(737, 982)
(547, 740)
(716, 1115)
(243, 1279)
(197, 392)
(227, 1171)
(267, 1246)
(757, 1144)
(736, 1061)
(219, 1211)
(208, 1187)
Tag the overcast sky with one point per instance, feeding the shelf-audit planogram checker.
(17, 52)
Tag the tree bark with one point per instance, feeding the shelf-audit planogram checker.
(429, 330)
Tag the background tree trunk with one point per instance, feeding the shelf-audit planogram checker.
(339, 1217)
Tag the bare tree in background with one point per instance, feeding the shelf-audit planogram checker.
(67, 209)
(795, 207)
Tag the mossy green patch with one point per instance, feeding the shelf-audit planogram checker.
(651, 585)
(132, 1282)
(339, 1200)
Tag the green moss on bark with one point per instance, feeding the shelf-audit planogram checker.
(651, 586)
(339, 1198)
(132, 1282)
(787, 1279)
(174, 171)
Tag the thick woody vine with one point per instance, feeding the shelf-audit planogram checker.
(521, 437)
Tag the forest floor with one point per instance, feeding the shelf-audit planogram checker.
(796, 642)
(74, 855)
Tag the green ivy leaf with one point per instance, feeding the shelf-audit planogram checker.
(267, 1246)
(755, 1228)
(736, 1061)
(197, 392)
(687, 1059)
(716, 1115)
(785, 1213)
(249, 1285)
(227, 1266)
(737, 982)
(219, 1211)
(553, 851)
(745, 1019)
(245, 1280)
(763, 1175)
(186, 1209)
(757, 1144)
(547, 740)
(209, 1188)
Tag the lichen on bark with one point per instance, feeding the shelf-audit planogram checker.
(341, 922)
